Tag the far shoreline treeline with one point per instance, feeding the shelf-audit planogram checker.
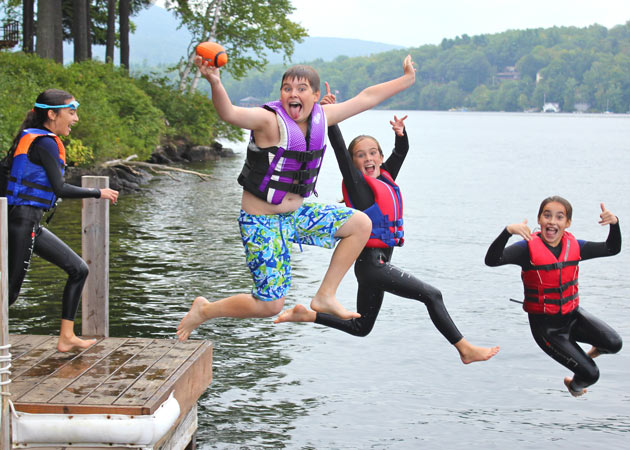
(577, 69)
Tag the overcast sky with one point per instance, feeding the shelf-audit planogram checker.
(411, 23)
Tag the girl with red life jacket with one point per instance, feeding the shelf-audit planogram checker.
(549, 262)
(369, 185)
(38, 160)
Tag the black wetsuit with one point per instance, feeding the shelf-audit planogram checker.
(372, 268)
(26, 235)
(558, 334)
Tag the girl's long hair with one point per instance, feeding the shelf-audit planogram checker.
(36, 117)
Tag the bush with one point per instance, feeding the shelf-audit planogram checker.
(119, 115)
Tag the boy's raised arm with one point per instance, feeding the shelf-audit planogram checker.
(371, 96)
(257, 119)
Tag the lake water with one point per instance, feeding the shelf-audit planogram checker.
(300, 386)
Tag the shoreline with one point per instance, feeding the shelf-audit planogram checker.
(125, 180)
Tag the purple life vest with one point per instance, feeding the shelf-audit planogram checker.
(293, 165)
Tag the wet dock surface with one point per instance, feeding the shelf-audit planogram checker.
(132, 376)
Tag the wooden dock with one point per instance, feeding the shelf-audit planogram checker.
(131, 376)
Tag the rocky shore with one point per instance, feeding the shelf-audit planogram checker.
(125, 179)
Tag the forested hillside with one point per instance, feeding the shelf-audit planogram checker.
(581, 69)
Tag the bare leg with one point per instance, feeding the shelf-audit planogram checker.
(241, 306)
(471, 353)
(354, 234)
(567, 383)
(298, 313)
(68, 340)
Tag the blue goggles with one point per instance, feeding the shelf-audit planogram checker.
(72, 105)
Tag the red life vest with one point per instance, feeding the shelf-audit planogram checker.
(385, 213)
(551, 285)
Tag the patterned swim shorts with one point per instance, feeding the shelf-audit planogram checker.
(267, 240)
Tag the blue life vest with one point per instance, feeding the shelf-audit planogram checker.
(28, 182)
(385, 213)
(292, 166)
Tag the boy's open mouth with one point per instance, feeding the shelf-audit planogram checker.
(295, 108)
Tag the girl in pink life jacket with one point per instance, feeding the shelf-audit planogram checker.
(369, 185)
(549, 270)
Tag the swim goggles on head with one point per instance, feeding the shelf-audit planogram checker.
(72, 105)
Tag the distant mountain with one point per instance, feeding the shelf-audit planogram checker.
(158, 41)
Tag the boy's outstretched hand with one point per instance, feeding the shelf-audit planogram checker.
(208, 71)
(408, 67)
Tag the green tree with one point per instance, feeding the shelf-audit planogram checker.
(243, 27)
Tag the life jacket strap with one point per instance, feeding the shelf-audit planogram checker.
(556, 266)
(310, 155)
(30, 184)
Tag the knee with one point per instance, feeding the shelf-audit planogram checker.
(273, 307)
(614, 346)
(434, 296)
(81, 271)
(363, 224)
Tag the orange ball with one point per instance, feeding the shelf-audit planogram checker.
(213, 53)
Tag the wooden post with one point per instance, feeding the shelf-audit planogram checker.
(95, 245)
(5, 435)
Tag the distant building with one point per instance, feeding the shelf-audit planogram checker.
(509, 73)
(551, 107)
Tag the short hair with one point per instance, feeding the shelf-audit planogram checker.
(556, 198)
(302, 71)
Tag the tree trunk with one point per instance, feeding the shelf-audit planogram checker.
(80, 29)
(28, 31)
(213, 34)
(58, 24)
(49, 32)
(88, 20)
(111, 31)
(123, 12)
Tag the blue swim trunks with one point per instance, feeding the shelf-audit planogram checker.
(267, 240)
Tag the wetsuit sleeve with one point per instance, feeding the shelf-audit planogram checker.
(44, 152)
(612, 246)
(359, 191)
(396, 159)
(499, 255)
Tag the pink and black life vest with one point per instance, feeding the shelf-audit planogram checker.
(385, 213)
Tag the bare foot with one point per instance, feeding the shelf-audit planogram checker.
(193, 318)
(593, 352)
(67, 343)
(298, 313)
(330, 305)
(567, 383)
(472, 353)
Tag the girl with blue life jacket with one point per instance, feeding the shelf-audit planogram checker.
(38, 160)
(369, 185)
(549, 270)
